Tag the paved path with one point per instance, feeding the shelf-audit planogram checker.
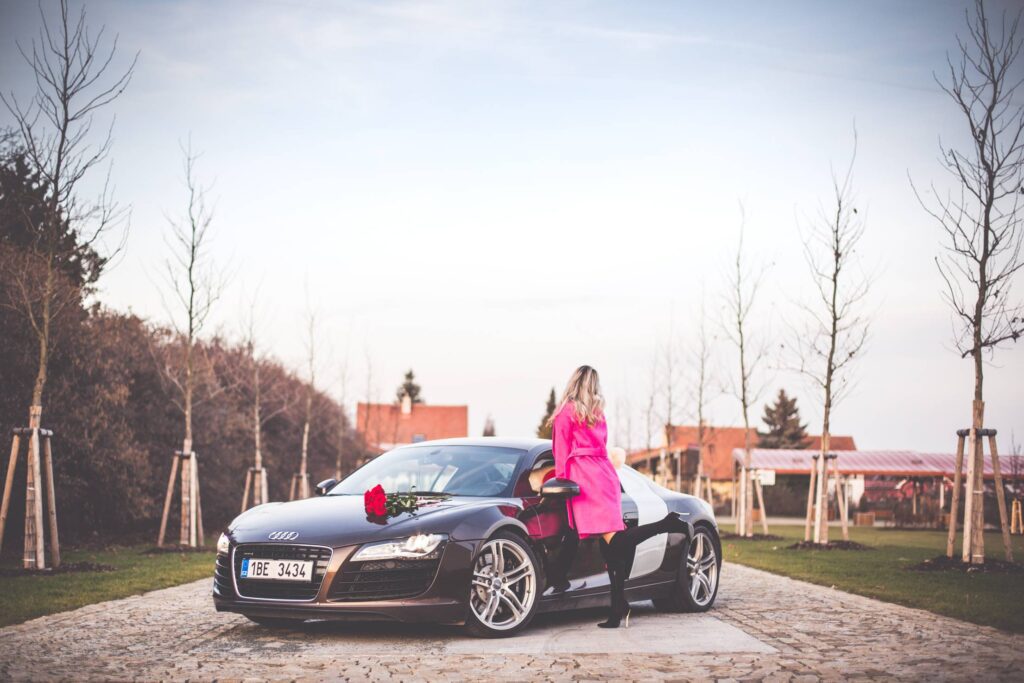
(763, 627)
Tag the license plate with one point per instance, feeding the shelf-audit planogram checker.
(276, 570)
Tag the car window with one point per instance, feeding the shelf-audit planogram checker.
(463, 470)
(530, 481)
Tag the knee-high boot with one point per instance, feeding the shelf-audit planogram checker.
(558, 572)
(624, 542)
(617, 572)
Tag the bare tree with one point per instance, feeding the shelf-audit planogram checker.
(650, 405)
(624, 421)
(670, 369)
(743, 283)
(981, 221)
(836, 328)
(194, 286)
(74, 82)
(269, 399)
(300, 482)
(372, 394)
(341, 464)
(703, 380)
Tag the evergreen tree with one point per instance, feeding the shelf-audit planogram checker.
(489, 427)
(410, 388)
(784, 427)
(544, 429)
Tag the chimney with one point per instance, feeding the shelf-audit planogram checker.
(406, 404)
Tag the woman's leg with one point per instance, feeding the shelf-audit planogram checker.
(619, 608)
(619, 549)
(558, 574)
(634, 536)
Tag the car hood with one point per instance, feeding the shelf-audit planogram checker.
(342, 520)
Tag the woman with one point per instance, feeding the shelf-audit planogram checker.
(580, 437)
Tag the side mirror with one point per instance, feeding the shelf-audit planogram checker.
(560, 488)
(326, 485)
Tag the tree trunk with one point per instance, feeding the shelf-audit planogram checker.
(821, 490)
(974, 499)
(811, 492)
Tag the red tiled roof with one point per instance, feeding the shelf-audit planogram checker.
(385, 426)
(719, 443)
(835, 442)
(888, 463)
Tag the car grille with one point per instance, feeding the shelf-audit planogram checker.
(222, 576)
(384, 579)
(281, 590)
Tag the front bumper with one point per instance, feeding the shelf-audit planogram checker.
(443, 601)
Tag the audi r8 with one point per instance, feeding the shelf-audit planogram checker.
(486, 545)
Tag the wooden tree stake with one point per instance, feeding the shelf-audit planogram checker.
(299, 487)
(810, 497)
(191, 523)
(1000, 495)
(51, 503)
(954, 505)
(256, 483)
(34, 557)
(760, 504)
(8, 485)
(38, 484)
(167, 501)
(841, 497)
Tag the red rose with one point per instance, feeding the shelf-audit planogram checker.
(375, 501)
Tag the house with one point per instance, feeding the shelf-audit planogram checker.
(675, 464)
(384, 426)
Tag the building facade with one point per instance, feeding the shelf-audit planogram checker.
(384, 426)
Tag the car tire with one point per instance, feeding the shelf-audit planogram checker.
(696, 587)
(505, 587)
(275, 622)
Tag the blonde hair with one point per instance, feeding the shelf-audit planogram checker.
(584, 392)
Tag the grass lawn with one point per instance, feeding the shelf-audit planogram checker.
(992, 599)
(25, 597)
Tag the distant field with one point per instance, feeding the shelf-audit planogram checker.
(27, 597)
(992, 599)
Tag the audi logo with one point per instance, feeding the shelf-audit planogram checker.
(283, 535)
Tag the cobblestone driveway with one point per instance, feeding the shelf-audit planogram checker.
(763, 627)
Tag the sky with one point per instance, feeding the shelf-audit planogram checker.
(493, 193)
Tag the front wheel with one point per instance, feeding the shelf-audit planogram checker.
(503, 589)
(697, 586)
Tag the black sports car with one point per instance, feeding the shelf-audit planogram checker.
(479, 550)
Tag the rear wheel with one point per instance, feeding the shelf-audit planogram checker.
(275, 622)
(697, 585)
(504, 587)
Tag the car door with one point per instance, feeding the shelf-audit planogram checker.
(588, 569)
(642, 505)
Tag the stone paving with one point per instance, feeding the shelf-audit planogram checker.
(764, 627)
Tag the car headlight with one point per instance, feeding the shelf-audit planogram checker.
(223, 544)
(413, 547)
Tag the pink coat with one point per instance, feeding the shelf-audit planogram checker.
(581, 454)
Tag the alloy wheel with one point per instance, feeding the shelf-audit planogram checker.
(504, 585)
(702, 563)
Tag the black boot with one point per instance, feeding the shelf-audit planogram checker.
(617, 573)
(624, 543)
(559, 570)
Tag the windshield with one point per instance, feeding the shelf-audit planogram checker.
(455, 470)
